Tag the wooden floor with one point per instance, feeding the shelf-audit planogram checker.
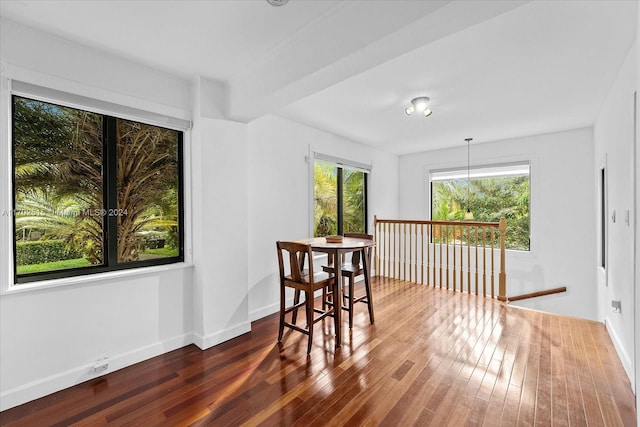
(433, 357)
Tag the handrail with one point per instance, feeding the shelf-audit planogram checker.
(539, 294)
(425, 221)
(449, 254)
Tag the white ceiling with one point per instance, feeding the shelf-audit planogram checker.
(493, 69)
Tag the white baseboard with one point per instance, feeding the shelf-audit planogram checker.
(265, 311)
(627, 364)
(271, 308)
(42, 387)
(53, 383)
(205, 342)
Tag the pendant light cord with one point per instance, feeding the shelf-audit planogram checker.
(468, 176)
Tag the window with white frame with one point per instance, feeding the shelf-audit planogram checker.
(339, 197)
(492, 192)
(92, 192)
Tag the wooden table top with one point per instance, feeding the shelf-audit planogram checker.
(347, 243)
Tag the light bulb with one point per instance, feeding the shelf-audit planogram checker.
(409, 110)
(421, 105)
(427, 112)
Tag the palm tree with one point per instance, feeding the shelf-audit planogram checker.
(58, 164)
(59, 153)
(325, 207)
(353, 195)
(147, 174)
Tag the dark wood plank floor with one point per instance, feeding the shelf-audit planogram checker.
(434, 357)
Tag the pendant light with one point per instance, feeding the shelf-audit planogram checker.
(468, 215)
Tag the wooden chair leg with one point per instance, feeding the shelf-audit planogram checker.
(351, 293)
(324, 298)
(309, 306)
(282, 308)
(345, 295)
(367, 287)
(296, 300)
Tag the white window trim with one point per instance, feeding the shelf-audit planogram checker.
(603, 192)
(93, 278)
(66, 99)
(339, 161)
(482, 171)
(506, 161)
(6, 191)
(8, 88)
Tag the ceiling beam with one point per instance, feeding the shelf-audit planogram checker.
(306, 64)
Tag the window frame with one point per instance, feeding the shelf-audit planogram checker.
(602, 188)
(491, 168)
(110, 118)
(340, 164)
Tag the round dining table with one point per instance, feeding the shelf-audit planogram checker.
(338, 249)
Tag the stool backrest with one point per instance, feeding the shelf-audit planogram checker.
(295, 254)
(355, 259)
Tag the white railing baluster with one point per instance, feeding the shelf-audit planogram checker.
(405, 251)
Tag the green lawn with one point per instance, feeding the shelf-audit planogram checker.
(56, 265)
(82, 262)
(165, 252)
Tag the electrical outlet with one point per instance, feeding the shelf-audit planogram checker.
(101, 365)
(617, 306)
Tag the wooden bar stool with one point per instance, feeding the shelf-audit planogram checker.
(301, 280)
(351, 270)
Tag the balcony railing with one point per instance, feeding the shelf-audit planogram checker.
(462, 256)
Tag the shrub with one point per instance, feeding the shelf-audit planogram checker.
(44, 251)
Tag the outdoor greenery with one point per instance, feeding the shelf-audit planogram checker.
(53, 266)
(326, 200)
(489, 199)
(353, 201)
(165, 252)
(59, 177)
(44, 251)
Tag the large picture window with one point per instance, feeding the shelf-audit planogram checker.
(492, 192)
(92, 192)
(340, 199)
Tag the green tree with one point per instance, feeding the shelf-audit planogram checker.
(325, 200)
(58, 154)
(353, 195)
(58, 163)
(489, 199)
(147, 177)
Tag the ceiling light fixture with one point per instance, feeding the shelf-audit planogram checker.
(277, 2)
(420, 104)
(468, 215)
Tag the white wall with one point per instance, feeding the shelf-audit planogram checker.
(637, 225)
(219, 222)
(280, 194)
(562, 216)
(613, 134)
(27, 54)
(637, 222)
(50, 338)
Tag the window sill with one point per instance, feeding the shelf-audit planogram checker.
(514, 253)
(92, 278)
